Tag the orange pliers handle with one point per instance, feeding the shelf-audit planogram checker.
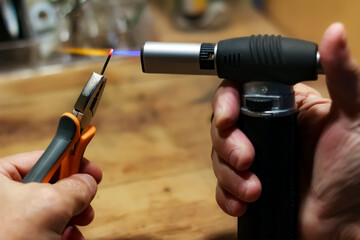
(65, 151)
(71, 162)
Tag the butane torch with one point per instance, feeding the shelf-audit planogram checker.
(266, 67)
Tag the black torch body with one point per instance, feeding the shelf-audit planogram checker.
(266, 68)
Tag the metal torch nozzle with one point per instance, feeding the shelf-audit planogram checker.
(178, 58)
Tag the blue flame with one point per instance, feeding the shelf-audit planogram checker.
(126, 52)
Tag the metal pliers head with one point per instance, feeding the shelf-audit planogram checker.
(88, 101)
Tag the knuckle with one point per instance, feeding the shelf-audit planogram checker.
(216, 169)
(244, 160)
(241, 190)
(82, 192)
(233, 157)
(50, 194)
(216, 158)
(220, 198)
(249, 190)
(220, 146)
(53, 202)
(219, 176)
(212, 153)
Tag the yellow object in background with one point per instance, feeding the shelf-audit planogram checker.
(194, 7)
(85, 51)
(200, 14)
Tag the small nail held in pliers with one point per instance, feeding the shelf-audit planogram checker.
(107, 61)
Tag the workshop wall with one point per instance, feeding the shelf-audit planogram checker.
(308, 19)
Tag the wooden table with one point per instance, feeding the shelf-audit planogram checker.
(152, 142)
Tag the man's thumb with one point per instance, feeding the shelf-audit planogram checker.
(341, 71)
(78, 191)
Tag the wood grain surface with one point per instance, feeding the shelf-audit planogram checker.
(309, 19)
(152, 142)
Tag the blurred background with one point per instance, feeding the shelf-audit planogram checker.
(152, 142)
(34, 33)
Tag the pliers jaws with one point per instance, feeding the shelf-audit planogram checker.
(88, 101)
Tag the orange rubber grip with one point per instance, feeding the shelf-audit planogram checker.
(70, 164)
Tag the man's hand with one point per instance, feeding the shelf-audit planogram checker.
(330, 138)
(44, 211)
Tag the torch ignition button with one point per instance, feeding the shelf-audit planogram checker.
(259, 104)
